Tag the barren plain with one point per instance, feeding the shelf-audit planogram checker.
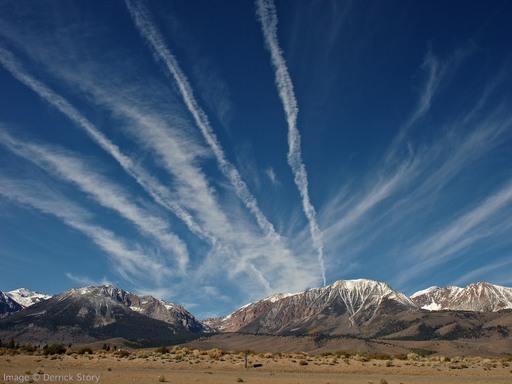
(184, 365)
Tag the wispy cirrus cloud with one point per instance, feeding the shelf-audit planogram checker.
(129, 260)
(438, 72)
(462, 232)
(84, 280)
(464, 143)
(69, 167)
(423, 176)
(353, 211)
(272, 176)
(400, 166)
(270, 264)
(238, 250)
(268, 18)
(500, 268)
(234, 240)
(405, 199)
(159, 192)
(415, 176)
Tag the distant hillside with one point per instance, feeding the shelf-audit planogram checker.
(98, 313)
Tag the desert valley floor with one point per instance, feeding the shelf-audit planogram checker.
(184, 365)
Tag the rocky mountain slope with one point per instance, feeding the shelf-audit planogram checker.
(370, 310)
(340, 308)
(479, 297)
(157, 309)
(8, 305)
(98, 313)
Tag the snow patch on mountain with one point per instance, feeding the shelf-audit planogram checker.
(278, 296)
(424, 291)
(478, 297)
(26, 297)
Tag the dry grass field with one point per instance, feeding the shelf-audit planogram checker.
(180, 365)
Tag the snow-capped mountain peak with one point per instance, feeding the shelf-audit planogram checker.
(369, 288)
(19, 299)
(26, 297)
(278, 296)
(479, 297)
(357, 301)
(424, 291)
(157, 309)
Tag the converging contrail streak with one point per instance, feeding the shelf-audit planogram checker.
(151, 185)
(129, 262)
(156, 190)
(107, 193)
(149, 32)
(267, 14)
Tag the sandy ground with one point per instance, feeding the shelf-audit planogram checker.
(185, 365)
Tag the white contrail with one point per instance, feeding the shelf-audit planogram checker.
(156, 190)
(268, 18)
(149, 32)
(72, 169)
(129, 261)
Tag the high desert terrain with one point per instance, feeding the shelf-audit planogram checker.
(186, 364)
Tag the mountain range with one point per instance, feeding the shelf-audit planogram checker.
(93, 313)
(361, 308)
(339, 308)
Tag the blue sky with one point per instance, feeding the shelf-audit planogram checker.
(213, 152)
